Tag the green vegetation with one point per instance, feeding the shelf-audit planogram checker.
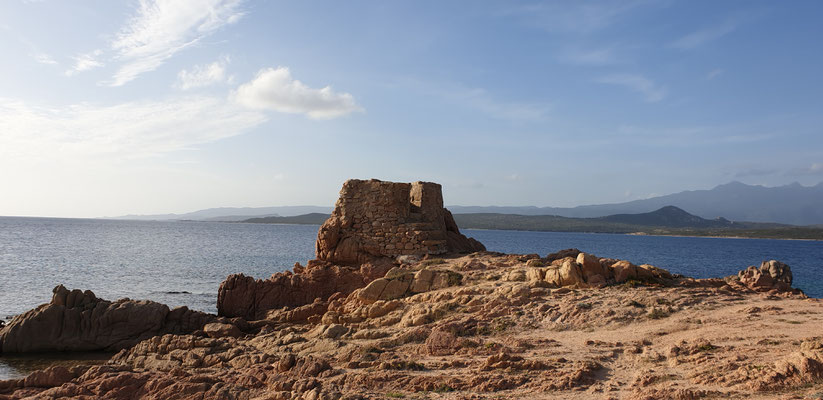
(444, 388)
(667, 221)
(552, 223)
(657, 313)
(305, 219)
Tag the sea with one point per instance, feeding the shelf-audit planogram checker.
(181, 263)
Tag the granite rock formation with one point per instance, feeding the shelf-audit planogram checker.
(79, 321)
(374, 219)
(771, 275)
(483, 326)
(374, 226)
(249, 298)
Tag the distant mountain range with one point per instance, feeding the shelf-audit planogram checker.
(232, 214)
(668, 220)
(306, 219)
(790, 204)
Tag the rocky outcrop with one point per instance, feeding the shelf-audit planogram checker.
(374, 225)
(579, 269)
(478, 326)
(771, 275)
(79, 321)
(249, 298)
(374, 219)
(400, 283)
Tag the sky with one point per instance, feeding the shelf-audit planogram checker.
(158, 106)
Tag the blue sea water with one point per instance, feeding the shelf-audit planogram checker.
(183, 263)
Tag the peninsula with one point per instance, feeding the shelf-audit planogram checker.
(398, 303)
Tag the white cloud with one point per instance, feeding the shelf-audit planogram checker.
(44, 58)
(85, 62)
(162, 28)
(704, 35)
(594, 57)
(714, 73)
(275, 89)
(638, 83)
(481, 100)
(576, 17)
(692, 136)
(814, 169)
(203, 75)
(134, 129)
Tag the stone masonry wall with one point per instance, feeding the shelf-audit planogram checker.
(388, 219)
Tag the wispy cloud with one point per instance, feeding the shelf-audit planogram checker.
(162, 28)
(594, 57)
(691, 136)
(755, 172)
(575, 17)
(651, 91)
(133, 129)
(44, 58)
(714, 73)
(85, 62)
(204, 75)
(815, 169)
(713, 32)
(481, 100)
(275, 89)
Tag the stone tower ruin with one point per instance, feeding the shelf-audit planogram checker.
(373, 219)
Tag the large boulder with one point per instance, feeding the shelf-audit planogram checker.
(593, 271)
(567, 274)
(79, 321)
(400, 283)
(243, 296)
(772, 274)
(562, 254)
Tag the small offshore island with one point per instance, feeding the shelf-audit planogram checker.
(399, 304)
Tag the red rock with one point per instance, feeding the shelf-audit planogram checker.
(771, 275)
(218, 330)
(79, 321)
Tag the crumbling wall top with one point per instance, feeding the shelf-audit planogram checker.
(374, 218)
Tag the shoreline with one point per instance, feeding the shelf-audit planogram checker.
(496, 325)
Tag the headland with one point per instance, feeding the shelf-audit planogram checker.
(399, 304)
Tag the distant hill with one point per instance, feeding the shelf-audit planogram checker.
(790, 204)
(306, 219)
(231, 214)
(665, 217)
(669, 217)
(667, 220)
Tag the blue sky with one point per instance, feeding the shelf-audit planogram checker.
(111, 108)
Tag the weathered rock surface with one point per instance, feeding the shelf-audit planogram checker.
(374, 226)
(771, 275)
(249, 298)
(400, 283)
(374, 219)
(79, 321)
(483, 337)
(375, 316)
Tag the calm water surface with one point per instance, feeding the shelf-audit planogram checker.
(183, 263)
